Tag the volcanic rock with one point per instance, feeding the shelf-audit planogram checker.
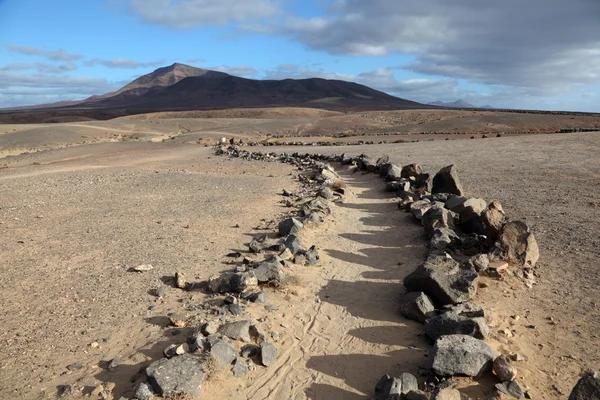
(446, 181)
(417, 306)
(460, 355)
(179, 375)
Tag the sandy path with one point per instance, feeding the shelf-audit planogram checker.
(346, 332)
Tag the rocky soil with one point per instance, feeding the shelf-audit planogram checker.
(336, 325)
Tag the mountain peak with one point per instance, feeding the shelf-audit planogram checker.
(164, 77)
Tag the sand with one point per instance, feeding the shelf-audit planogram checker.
(73, 225)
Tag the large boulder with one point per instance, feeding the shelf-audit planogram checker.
(452, 323)
(518, 244)
(417, 306)
(444, 280)
(587, 388)
(446, 181)
(460, 355)
(184, 374)
(289, 226)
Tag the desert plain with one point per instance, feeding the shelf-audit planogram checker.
(82, 203)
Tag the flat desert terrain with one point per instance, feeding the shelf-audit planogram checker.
(76, 217)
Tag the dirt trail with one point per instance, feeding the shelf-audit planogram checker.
(345, 331)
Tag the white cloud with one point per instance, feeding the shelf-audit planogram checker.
(123, 63)
(186, 14)
(55, 55)
(239, 70)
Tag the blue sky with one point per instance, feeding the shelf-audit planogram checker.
(544, 54)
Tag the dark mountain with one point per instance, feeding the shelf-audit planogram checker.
(180, 87)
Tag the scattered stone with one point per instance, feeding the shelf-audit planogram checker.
(446, 394)
(162, 291)
(494, 220)
(179, 375)
(255, 246)
(177, 320)
(236, 309)
(519, 244)
(260, 297)
(387, 387)
(270, 270)
(240, 368)
(409, 383)
(467, 309)
(239, 330)
(114, 363)
(424, 182)
(393, 173)
(512, 389)
(326, 193)
(446, 181)
(437, 217)
(288, 193)
(444, 280)
(143, 392)
(209, 328)
(443, 238)
(504, 369)
(143, 268)
(223, 353)
(419, 208)
(250, 350)
(315, 217)
(417, 306)
(411, 170)
(454, 355)
(180, 280)
(455, 203)
(75, 366)
(268, 354)
(242, 281)
(480, 262)
(451, 323)
(311, 255)
(218, 284)
(587, 388)
(289, 226)
(293, 243)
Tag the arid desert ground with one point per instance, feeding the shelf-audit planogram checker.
(103, 197)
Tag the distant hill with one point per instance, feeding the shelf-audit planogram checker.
(181, 87)
(456, 104)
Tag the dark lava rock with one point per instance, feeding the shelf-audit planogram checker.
(239, 330)
(438, 217)
(269, 270)
(451, 323)
(223, 353)
(241, 281)
(446, 181)
(587, 388)
(393, 173)
(179, 375)
(293, 243)
(240, 368)
(444, 280)
(326, 193)
(386, 387)
(260, 297)
(289, 226)
(143, 392)
(268, 354)
(417, 306)
(311, 255)
(513, 390)
(455, 355)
